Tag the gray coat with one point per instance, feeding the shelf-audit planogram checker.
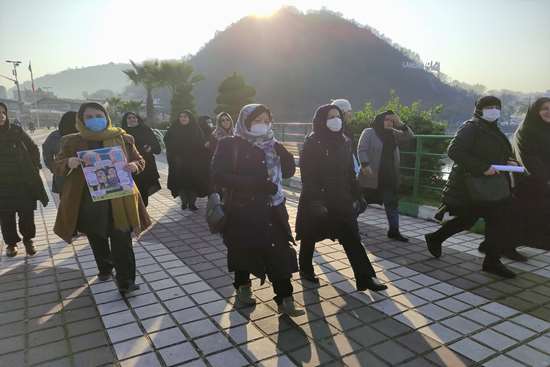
(369, 151)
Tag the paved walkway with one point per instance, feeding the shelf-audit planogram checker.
(53, 311)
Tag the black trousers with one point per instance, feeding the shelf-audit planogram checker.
(350, 239)
(188, 197)
(8, 223)
(499, 234)
(119, 254)
(145, 198)
(281, 287)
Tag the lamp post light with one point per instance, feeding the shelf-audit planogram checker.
(15, 64)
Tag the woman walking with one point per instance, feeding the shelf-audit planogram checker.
(188, 160)
(379, 155)
(147, 145)
(20, 185)
(50, 147)
(224, 129)
(328, 202)
(477, 146)
(251, 167)
(109, 224)
(531, 145)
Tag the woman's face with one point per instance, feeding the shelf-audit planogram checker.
(183, 119)
(389, 122)
(262, 118)
(101, 176)
(3, 115)
(132, 121)
(225, 122)
(544, 112)
(333, 113)
(90, 113)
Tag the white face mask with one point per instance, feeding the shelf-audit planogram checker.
(490, 114)
(259, 129)
(334, 124)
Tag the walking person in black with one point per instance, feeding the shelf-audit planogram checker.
(20, 185)
(188, 160)
(477, 146)
(531, 145)
(251, 167)
(224, 128)
(379, 154)
(147, 145)
(327, 207)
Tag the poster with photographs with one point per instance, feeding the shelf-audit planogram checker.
(104, 172)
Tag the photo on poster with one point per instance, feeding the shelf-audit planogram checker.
(104, 172)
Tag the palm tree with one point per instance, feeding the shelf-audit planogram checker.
(148, 75)
(178, 77)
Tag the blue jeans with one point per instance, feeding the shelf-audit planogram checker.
(390, 200)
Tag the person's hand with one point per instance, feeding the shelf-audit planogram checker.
(73, 162)
(366, 170)
(131, 167)
(147, 148)
(491, 171)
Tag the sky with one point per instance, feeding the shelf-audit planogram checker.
(502, 44)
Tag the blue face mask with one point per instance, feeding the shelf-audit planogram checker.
(96, 124)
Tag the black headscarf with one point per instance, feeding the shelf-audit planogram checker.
(320, 124)
(534, 134)
(385, 135)
(484, 102)
(186, 135)
(124, 122)
(67, 124)
(6, 125)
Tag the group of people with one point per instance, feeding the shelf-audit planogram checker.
(246, 165)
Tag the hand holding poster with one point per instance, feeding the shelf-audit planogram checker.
(105, 174)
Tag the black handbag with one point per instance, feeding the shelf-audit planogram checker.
(488, 189)
(216, 208)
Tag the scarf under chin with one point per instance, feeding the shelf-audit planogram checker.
(125, 209)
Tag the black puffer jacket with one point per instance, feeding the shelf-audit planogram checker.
(477, 145)
(257, 235)
(20, 183)
(328, 182)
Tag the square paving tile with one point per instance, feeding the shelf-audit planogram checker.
(229, 358)
(494, 340)
(260, 349)
(213, 343)
(132, 347)
(167, 337)
(178, 354)
(391, 352)
(471, 349)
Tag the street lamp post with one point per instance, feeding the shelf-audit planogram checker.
(16, 81)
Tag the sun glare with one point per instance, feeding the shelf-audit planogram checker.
(264, 9)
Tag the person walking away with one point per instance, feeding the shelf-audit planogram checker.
(531, 144)
(345, 106)
(20, 185)
(379, 154)
(327, 205)
(50, 147)
(251, 166)
(478, 145)
(188, 160)
(108, 224)
(147, 145)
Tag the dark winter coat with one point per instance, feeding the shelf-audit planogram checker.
(477, 145)
(188, 159)
(328, 184)
(50, 148)
(257, 235)
(148, 180)
(20, 182)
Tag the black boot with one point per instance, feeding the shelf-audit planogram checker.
(434, 244)
(11, 250)
(394, 234)
(29, 247)
(369, 283)
(183, 199)
(497, 268)
(192, 202)
(482, 247)
(513, 254)
(309, 277)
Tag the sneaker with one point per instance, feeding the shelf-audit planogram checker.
(11, 250)
(104, 276)
(370, 283)
(498, 268)
(513, 254)
(244, 295)
(395, 235)
(288, 307)
(29, 247)
(310, 277)
(434, 246)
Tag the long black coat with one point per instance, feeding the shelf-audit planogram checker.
(20, 183)
(188, 159)
(328, 180)
(257, 235)
(477, 145)
(148, 180)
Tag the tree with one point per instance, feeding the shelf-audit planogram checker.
(179, 78)
(233, 94)
(116, 107)
(423, 121)
(148, 75)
